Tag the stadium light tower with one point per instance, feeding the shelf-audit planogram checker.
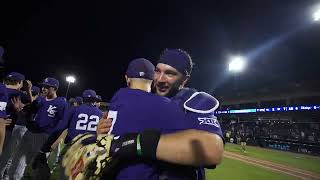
(237, 64)
(69, 79)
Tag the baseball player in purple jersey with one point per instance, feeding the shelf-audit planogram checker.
(14, 131)
(3, 115)
(46, 112)
(185, 152)
(3, 104)
(134, 109)
(79, 120)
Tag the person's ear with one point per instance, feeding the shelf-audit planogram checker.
(184, 82)
(127, 80)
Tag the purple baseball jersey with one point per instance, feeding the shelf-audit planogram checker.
(49, 113)
(3, 100)
(11, 112)
(199, 108)
(80, 120)
(136, 110)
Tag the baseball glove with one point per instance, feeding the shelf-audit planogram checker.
(103, 165)
(82, 153)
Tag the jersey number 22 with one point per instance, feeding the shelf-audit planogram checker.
(82, 123)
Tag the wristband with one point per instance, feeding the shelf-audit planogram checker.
(147, 143)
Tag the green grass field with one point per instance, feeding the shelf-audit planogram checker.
(301, 161)
(232, 169)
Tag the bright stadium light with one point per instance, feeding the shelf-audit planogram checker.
(69, 79)
(316, 15)
(237, 64)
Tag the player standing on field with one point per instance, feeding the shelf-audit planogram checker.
(79, 120)
(46, 112)
(200, 144)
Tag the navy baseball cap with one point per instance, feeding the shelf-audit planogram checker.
(140, 68)
(52, 82)
(78, 99)
(177, 58)
(89, 93)
(35, 89)
(99, 98)
(15, 76)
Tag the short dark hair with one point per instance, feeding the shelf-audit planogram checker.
(89, 100)
(11, 82)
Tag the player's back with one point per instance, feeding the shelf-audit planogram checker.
(84, 119)
(10, 110)
(137, 110)
(134, 110)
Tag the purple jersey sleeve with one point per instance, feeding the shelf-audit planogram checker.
(3, 100)
(66, 120)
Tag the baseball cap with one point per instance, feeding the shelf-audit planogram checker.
(140, 68)
(15, 76)
(78, 99)
(52, 82)
(177, 58)
(35, 89)
(89, 93)
(99, 98)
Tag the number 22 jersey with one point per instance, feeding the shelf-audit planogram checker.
(82, 119)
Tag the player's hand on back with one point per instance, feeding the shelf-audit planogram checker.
(29, 85)
(17, 103)
(104, 124)
(5, 122)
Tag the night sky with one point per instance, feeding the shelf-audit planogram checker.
(95, 40)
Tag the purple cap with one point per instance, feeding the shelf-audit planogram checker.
(99, 98)
(35, 89)
(140, 68)
(52, 82)
(89, 93)
(178, 59)
(79, 99)
(15, 76)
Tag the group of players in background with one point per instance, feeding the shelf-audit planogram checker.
(174, 131)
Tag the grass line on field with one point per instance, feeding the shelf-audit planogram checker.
(236, 170)
(300, 161)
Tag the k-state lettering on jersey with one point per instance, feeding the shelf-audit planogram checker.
(49, 113)
(134, 110)
(81, 119)
(3, 100)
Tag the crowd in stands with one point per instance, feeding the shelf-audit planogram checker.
(304, 132)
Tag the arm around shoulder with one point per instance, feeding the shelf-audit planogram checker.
(191, 147)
